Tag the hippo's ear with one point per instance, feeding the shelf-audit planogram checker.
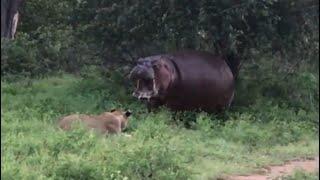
(140, 60)
(128, 113)
(113, 110)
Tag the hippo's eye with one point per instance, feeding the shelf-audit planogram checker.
(156, 66)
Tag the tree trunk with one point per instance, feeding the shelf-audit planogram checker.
(9, 17)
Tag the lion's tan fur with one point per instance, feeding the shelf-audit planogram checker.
(105, 123)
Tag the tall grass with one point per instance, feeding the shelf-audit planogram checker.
(32, 147)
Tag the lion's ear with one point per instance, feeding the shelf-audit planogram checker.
(128, 113)
(113, 110)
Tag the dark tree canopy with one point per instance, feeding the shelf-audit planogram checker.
(59, 34)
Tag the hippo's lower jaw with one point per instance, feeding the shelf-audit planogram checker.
(145, 95)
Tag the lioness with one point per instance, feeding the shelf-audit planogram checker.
(111, 122)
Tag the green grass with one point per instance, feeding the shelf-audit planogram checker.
(32, 147)
(298, 175)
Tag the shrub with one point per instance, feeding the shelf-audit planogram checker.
(65, 34)
(46, 50)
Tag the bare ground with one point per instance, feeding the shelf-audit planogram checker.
(273, 172)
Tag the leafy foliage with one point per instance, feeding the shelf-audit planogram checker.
(275, 115)
(117, 32)
(228, 26)
(44, 51)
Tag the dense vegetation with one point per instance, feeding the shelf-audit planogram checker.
(69, 34)
(160, 148)
(73, 57)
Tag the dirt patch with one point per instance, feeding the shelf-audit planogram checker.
(272, 172)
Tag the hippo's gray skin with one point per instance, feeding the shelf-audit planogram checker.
(185, 80)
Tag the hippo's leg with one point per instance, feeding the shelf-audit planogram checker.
(174, 115)
(153, 104)
(149, 107)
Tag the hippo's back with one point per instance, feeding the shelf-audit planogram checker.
(203, 81)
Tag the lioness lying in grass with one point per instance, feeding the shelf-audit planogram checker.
(112, 122)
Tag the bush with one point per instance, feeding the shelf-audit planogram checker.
(46, 50)
(216, 26)
(65, 35)
(267, 81)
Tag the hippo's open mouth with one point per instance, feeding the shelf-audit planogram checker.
(145, 89)
(144, 76)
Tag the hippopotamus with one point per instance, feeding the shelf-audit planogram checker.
(185, 81)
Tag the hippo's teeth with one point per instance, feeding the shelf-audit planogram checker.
(135, 94)
(138, 84)
(154, 85)
(155, 90)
